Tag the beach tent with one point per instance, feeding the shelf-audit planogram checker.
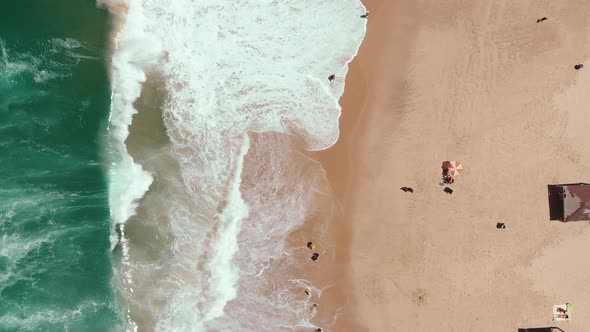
(569, 202)
(562, 312)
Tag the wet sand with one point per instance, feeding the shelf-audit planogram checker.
(480, 82)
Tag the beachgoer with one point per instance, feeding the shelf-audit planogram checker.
(318, 330)
(306, 292)
(407, 189)
(315, 256)
(331, 77)
(561, 310)
(366, 15)
(310, 245)
(542, 19)
(450, 180)
(500, 225)
(578, 66)
(448, 190)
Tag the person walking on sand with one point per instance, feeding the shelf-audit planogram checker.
(313, 309)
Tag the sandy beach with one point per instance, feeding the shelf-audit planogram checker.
(480, 82)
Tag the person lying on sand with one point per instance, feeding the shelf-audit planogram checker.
(578, 66)
(448, 190)
(542, 19)
(315, 256)
(447, 178)
(407, 189)
(310, 245)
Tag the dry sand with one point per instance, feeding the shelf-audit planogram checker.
(480, 82)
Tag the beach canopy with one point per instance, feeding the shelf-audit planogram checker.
(569, 202)
(453, 167)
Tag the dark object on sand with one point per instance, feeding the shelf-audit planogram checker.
(542, 19)
(306, 292)
(318, 330)
(407, 189)
(569, 202)
(331, 77)
(310, 245)
(578, 66)
(500, 225)
(448, 179)
(448, 190)
(315, 256)
(366, 15)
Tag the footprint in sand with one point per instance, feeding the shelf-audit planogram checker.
(419, 296)
(372, 289)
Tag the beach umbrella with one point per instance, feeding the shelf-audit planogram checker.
(455, 168)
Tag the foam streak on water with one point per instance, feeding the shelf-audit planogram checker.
(246, 82)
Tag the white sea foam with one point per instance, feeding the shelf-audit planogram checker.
(128, 181)
(224, 276)
(242, 77)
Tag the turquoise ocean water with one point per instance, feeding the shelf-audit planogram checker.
(55, 265)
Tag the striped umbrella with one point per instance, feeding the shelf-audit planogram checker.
(455, 168)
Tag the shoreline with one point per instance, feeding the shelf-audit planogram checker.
(338, 161)
(482, 84)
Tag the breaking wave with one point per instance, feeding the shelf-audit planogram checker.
(203, 213)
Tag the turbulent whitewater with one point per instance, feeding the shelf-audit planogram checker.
(201, 213)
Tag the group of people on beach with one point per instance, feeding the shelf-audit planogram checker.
(314, 257)
(447, 179)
